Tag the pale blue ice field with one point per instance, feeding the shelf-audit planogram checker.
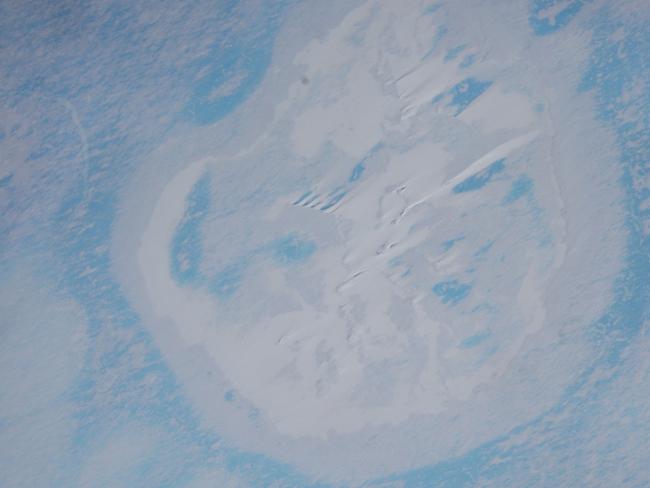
(300, 243)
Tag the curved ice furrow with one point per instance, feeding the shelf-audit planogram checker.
(168, 299)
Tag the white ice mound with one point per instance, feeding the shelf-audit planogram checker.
(395, 251)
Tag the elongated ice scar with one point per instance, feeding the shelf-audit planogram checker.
(166, 298)
(483, 162)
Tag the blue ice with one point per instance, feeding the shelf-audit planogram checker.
(357, 172)
(292, 249)
(302, 198)
(483, 249)
(475, 340)
(520, 187)
(335, 197)
(238, 65)
(186, 249)
(430, 9)
(451, 291)
(467, 61)
(466, 92)
(543, 25)
(6, 180)
(447, 245)
(227, 281)
(454, 52)
(480, 179)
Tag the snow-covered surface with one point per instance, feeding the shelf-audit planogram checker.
(325, 243)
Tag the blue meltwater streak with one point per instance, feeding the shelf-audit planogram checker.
(465, 92)
(480, 179)
(186, 247)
